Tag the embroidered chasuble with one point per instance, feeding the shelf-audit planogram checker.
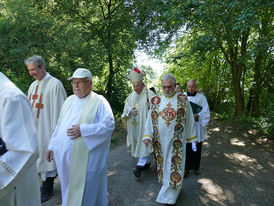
(82, 162)
(17, 165)
(136, 124)
(169, 124)
(46, 98)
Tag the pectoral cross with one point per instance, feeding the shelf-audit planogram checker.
(135, 123)
(35, 96)
(39, 106)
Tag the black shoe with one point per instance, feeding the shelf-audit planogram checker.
(170, 204)
(47, 189)
(137, 172)
(146, 166)
(186, 174)
(45, 196)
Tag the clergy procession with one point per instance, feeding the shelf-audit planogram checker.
(47, 135)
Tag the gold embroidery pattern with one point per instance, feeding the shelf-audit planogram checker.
(168, 114)
(7, 168)
(177, 143)
(135, 123)
(155, 103)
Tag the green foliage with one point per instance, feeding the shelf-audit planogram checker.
(70, 34)
(23, 32)
(227, 47)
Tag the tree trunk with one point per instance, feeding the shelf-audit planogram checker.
(237, 90)
(111, 74)
(255, 106)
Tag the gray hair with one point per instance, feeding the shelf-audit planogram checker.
(169, 76)
(192, 80)
(38, 60)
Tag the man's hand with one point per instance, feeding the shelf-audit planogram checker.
(49, 155)
(147, 142)
(196, 117)
(74, 131)
(134, 111)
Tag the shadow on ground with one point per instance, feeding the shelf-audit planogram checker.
(235, 170)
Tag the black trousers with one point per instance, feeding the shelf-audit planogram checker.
(193, 159)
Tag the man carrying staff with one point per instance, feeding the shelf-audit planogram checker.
(135, 114)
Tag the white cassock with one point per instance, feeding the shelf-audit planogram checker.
(204, 115)
(46, 98)
(96, 137)
(136, 124)
(19, 183)
(169, 125)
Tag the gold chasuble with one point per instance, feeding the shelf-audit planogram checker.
(80, 152)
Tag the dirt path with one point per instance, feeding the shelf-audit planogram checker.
(235, 170)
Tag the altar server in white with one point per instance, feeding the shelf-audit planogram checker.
(19, 184)
(46, 96)
(80, 144)
(169, 125)
(135, 115)
(202, 118)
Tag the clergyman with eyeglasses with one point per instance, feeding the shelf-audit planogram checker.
(170, 123)
(80, 144)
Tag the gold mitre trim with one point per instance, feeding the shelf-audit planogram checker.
(137, 83)
(136, 76)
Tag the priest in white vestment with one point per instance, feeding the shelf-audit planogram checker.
(80, 144)
(135, 115)
(169, 125)
(202, 118)
(46, 96)
(19, 183)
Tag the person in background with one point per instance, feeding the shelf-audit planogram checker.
(178, 87)
(46, 96)
(202, 118)
(134, 115)
(19, 183)
(153, 89)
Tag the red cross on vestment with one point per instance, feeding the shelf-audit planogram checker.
(35, 96)
(39, 105)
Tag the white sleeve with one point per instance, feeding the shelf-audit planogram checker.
(204, 115)
(148, 134)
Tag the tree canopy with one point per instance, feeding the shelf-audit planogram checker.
(227, 46)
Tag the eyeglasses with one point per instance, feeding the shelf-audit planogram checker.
(79, 82)
(167, 87)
